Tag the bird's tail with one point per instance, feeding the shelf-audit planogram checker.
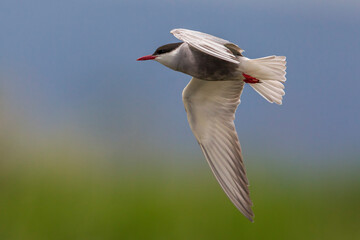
(266, 76)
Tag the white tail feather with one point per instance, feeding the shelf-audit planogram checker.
(270, 71)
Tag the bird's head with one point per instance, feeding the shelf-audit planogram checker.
(165, 55)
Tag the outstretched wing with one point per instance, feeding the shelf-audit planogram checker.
(210, 107)
(209, 44)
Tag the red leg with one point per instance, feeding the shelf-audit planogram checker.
(250, 79)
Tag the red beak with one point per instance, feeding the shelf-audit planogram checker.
(147, 57)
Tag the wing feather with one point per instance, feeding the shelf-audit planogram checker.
(209, 44)
(210, 107)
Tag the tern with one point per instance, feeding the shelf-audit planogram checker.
(219, 72)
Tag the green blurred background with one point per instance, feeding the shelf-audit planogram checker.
(94, 145)
(62, 190)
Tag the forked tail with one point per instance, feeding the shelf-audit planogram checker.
(266, 76)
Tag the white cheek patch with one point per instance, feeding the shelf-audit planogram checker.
(169, 59)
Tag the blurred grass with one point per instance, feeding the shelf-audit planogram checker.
(54, 195)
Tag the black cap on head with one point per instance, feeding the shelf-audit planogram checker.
(167, 48)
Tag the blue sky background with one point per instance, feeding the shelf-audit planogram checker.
(69, 66)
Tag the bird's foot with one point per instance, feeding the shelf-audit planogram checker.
(250, 79)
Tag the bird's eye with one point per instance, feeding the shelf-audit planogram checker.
(160, 51)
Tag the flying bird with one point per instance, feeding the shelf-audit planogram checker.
(219, 72)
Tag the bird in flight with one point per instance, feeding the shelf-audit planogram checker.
(219, 72)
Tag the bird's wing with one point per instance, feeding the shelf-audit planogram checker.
(210, 107)
(209, 44)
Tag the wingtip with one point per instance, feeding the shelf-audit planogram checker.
(175, 30)
(250, 217)
(247, 212)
